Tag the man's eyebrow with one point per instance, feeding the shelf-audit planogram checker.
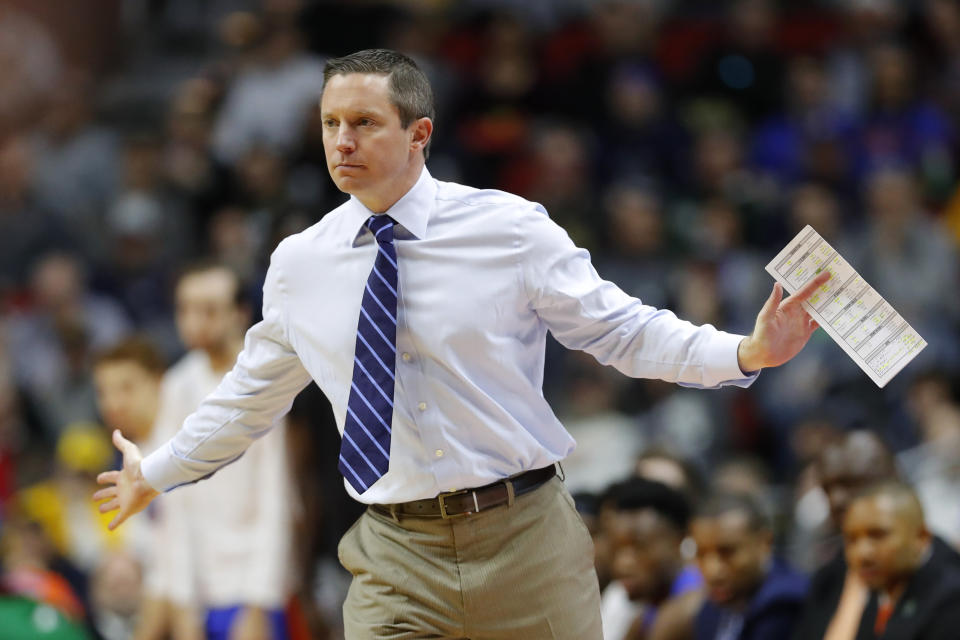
(357, 112)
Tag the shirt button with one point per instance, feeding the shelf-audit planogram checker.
(406, 357)
(438, 453)
(422, 406)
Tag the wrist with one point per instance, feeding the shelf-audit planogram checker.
(747, 357)
(146, 487)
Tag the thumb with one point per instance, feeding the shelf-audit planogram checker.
(125, 446)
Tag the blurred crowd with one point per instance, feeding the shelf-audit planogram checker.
(145, 142)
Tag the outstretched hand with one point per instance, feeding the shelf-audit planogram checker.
(783, 328)
(127, 491)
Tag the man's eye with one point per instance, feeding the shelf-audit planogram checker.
(329, 123)
(366, 122)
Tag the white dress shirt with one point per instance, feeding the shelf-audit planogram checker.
(227, 541)
(483, 276)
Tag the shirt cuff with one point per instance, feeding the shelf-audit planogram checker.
(720, 362)
(160, 470)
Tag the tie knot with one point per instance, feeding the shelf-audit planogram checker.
(382, 228)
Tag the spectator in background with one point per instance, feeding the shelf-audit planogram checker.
(749, 594)
(49, 341)
(639, 133)
(913, 595)
(496, 104)
(75, 172)
(128, 377)
(902, 127)
(608, 440)
(30, 68)
(58, 541)
(645, 526)
(268, 102)
(659, 465)
(837, 596)
(745, 68)
(36, 602)
(933, 466)
(900, 249)
(146, 233)
(223, 558)
(811, 136)
(27, 230)
(59, 504)
(637, 241)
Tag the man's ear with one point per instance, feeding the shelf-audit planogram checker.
(421, 129)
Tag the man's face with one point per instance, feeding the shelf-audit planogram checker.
(368, 151)
(207, 313)
(645, 551)
(881, 545)
(732, 557)
(127, 395)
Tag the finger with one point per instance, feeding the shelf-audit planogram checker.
(103, 494)
(773, 300)
(110, 506)
(810, 288)
(117, 521)
(108, 477)
(119, 441)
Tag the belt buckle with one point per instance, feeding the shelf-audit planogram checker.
(449, 494)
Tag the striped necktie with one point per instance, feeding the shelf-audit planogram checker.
(365, 449)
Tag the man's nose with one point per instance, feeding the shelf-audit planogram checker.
(861, 550)
(345, 140)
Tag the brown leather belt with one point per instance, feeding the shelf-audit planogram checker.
(466, 501)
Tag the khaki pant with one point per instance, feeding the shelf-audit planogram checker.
(519, 572)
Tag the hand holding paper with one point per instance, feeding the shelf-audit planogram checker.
(783, 328)
(865, 325)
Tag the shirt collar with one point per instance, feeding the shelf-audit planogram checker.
(412, 211)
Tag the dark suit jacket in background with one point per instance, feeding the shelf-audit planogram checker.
(827, 585)
(929, 609)
(771, 614)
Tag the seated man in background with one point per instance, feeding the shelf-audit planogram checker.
(912, 597)
(749, 595)
(837, 596)
(645, 522)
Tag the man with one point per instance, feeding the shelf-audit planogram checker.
(837, 595)
(645, 526)
(421, 308)
(749, 595)
(224, 546)
(912, 597)
(128, 377)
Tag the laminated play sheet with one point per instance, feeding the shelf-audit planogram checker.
(865, 325)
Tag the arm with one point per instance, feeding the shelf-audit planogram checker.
(676, 616)
(260, 388)
(585, 312)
